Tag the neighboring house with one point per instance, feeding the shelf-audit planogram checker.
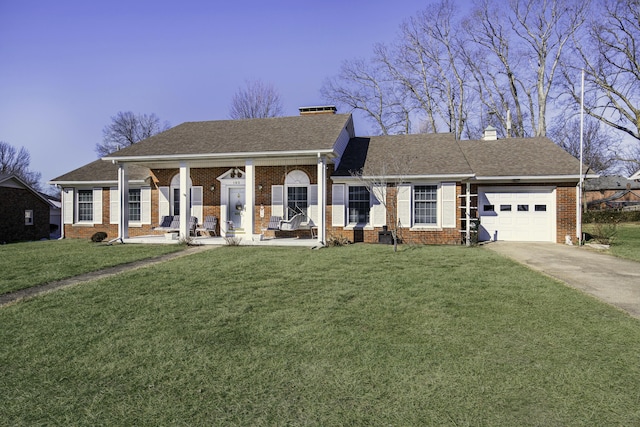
(611, 192)
(24, 212)
(246, 171)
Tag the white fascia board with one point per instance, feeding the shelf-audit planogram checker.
(635, 176)
(214, 156)
(407, 178)
(516, 178)
(94, 183)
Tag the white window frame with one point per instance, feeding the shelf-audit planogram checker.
(28, 217)
(145, 206)
(77, 206)
(446, 205)
(438, 202)
(299, 179)
(348, 202)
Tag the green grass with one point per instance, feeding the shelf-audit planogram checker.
(626, 241)
(345, 336)
(33, 263)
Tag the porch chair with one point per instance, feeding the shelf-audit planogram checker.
(291, 224)
(165, 223)
(274, 223)
(208, 226)
(175, 223)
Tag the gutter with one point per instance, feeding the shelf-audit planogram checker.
(214, 156)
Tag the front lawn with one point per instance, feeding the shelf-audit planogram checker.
(355, 335)
(626, 239)
(34, 263)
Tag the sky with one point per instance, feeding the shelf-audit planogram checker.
(68, 66)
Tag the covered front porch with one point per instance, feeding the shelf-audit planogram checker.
(242, 196)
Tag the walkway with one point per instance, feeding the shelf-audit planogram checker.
(12, 297)
(613, 280)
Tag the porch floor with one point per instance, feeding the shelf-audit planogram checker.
(220, 241)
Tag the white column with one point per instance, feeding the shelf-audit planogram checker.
(185, 200)
(467, 209)
(123, 203)
(322, 198)
(250, 199)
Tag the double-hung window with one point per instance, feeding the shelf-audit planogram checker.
(296, 201)
(135, 207)
(425, 204)
(359, 205)
(85, 205)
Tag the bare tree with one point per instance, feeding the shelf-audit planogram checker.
(382, 180)
(127, 128)
(600, 146)
(16, 162)
(520, 52)
(366, 86)
(428, 62)
(256, 100)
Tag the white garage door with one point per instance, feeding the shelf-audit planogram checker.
(525, 214)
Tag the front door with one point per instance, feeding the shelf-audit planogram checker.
(236, 207)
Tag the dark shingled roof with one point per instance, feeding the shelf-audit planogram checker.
(441, 154)
(295, 133)
(418, 154)
(100, 170)
(519, 157)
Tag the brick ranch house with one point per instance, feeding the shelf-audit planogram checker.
(24, 212)
(246, 171)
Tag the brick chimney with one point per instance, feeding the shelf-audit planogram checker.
(324, 109)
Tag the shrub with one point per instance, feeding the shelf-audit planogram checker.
(98, 236)
(233, 241)
(590, 217)
(334, 240)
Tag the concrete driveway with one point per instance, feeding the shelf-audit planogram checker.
(613, 280)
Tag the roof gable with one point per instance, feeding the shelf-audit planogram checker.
(278, 134)
(14, 181)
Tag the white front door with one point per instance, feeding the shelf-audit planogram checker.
(525, 214)
(236, 207)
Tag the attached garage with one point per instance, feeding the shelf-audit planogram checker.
(524, 214)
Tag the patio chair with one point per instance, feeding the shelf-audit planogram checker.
(291, 224)
(274, 223)
(165, 223)
(208, 226)
(175, 223)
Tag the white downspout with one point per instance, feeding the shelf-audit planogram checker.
(61, 211)
(322, 198)
(123, 208)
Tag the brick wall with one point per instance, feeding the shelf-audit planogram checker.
(266, 176)
(447, 236)
(566, 212)
(13, 204)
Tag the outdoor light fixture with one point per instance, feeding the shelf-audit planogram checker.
(212, 188)
(259, 187)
